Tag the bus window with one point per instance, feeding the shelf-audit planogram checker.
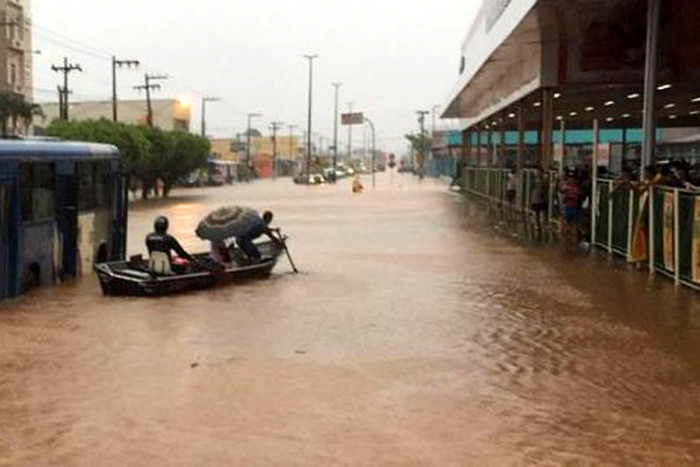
(86, 186)
(103, 184)
(37, 186)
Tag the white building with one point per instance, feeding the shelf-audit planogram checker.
(168, 114)
(15, 48)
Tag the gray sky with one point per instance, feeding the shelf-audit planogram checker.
(393, 56)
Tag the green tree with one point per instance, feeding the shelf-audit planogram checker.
(190, 152)
(147, 154)
(14, 108)
(133, 145)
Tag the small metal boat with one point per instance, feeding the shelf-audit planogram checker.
(133, 278)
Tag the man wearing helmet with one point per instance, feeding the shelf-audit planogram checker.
(160, 244)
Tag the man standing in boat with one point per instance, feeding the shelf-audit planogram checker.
(160, 244)
(258, 227)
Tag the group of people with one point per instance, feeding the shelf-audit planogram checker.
(161, 245)
(571, 198)
(670, 173)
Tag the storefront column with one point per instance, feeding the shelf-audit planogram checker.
(594, 174)
(562, 129)
(547, 127)
(649, 124)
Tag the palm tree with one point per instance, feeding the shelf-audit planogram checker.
(13, 108)
(27, 112)
(8, 108)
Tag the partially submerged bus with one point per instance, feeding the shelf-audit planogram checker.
(63, 208)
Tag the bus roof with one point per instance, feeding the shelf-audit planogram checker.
(50, 150)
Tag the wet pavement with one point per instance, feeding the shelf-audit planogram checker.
(415, 335)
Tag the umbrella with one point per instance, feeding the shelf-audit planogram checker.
(227, 222)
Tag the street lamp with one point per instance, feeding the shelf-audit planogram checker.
(250, 117)
(310, 58)
(206, 99)
(374, 151)
(435, 107)
(335, 131)
(292, 152)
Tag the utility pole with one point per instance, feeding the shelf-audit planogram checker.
(310, 58)
(148, 87)
(274, 126)
(66, 69)
(292, 152)
(206, 99)
(118, 64)
(421, 150)
(335, 132)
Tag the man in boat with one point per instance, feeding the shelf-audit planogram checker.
(160, 244)
(258, 227)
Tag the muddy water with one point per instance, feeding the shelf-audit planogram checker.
(414, 336)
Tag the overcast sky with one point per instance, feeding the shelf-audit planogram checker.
(393, 57)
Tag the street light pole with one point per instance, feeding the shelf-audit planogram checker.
(335, 131)
(292, 152)
(350, 104)
(310, 58)
(247, 150)
(206, 99)
(374, 153)
(274, 126)
(435, 107)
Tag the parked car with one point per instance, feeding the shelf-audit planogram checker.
(311, 179)
(195, 179)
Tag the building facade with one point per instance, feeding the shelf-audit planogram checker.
(168, 114)
(16, 48)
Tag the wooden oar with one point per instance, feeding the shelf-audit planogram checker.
(286, 250)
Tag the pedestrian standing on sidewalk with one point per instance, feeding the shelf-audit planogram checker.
(538, 199)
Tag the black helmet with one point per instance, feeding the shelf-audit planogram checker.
(161, 224)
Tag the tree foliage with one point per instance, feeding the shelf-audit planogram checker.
(15, 109)
(148, 154)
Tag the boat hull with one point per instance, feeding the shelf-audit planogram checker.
(121, 279)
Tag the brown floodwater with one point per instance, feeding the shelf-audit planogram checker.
(415, 335)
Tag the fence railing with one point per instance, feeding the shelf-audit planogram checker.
(492, 185)
(657, 226)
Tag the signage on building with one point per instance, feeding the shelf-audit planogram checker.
(357, 118)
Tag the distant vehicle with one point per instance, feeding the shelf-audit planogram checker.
(311, 179)
(195, 179)
(330, 174)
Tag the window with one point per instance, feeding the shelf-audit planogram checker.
(86, 186)
(13, 73)
(37, 191)
(103, 184)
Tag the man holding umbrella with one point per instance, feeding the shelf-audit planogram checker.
(242, 224)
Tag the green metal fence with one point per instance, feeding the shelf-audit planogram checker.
(667, 219)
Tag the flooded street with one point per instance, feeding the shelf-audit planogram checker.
(414, 335)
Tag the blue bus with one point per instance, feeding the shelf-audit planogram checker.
(63, 208)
